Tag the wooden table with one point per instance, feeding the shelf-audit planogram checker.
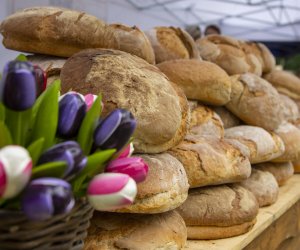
(277, 227)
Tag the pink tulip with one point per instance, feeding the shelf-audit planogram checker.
(110, 191)
(89, 100)
(127, 152)
(15, 170)
(135, 167)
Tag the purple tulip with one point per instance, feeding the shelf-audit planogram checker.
(18, 86)
(115, 130)
(72, 109)
(135, 167)
(110, 191)
(69, 152)
(15, 170)
(45, 197)
(40, 79)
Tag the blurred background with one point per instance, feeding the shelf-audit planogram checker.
(274, 22)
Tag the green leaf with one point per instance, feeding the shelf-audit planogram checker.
(2, 112)
(86, 131)
(47, 116)
(5, 136)
(21, 58)
(35, 150)
(50, 169)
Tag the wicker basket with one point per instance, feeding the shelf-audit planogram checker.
(61, 232)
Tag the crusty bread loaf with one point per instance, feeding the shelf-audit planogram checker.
(171, 43)
(296, 165)
(200, 80)
(263, 185)
(205, 122)
(281, 171)
(50, 64)
(218, 208)
(129, 82)
(256, 102)
(63, 32)
(291, 110)
(263, 145)
(229, 120)
(111, 231)
(268, 58)
(165, 188)
(211, 161)
(285, 82)
(290, 136)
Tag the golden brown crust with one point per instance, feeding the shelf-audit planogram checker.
(291, 111)
(264, 187)
(165, 188)
(281, 171)
(129, 82)
(229, 120)
(268, 58)
(200, 80)
(224, 205)
(110, 231)
(210, 161)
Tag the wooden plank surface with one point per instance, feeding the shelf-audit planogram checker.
(289, 195)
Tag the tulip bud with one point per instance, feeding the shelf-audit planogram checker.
(110, 191)
(89, 100)
(69, 152)
(127, 152)
(40, 79)
(115, 130)
(15, 170)
(45, 197)
(72, 109)
(18, 86)
(135, 167)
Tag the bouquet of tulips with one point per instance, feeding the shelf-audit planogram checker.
(55, 149)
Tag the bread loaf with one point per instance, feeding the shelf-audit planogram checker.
(211, 161)
(129, 82)
(63, 32)
(200, 80)
(263, 146)
(229, 120)
(110, 231)
(281, 171)
(165, 188)
(171, 43)
(218, 212)
(263, 185)
(256, 102)
(291, 111)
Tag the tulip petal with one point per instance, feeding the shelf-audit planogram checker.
(2, 179)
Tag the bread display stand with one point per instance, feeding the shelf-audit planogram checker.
(277, 226)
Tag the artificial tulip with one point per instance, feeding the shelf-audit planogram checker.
(115, 130)
(15, 170)
(89, 100)
(127, 152)
(72, 109)
(69, 152)
(40, 79)
(18, 86)
(45, 197)
(135, 167)
(110, 191)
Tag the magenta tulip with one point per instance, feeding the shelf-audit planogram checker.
(127, 152)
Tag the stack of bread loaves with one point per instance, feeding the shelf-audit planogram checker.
(234, 118)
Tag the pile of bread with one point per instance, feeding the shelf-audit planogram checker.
(217, 123)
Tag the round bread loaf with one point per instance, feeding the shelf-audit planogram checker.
(263, 145)
(63, 32)
(111, 231)
(165, 188)
(291, 110)
(290, 136)
(264, 187)
(285, 82)
(256, 102)
(210, 161)
(229, 120)
(129, 82)
(205, 122)
(281, 171)
(171, 43)
(218, 212)
(268, 58)
(200, 80)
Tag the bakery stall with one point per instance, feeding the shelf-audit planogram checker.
(146, 125)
